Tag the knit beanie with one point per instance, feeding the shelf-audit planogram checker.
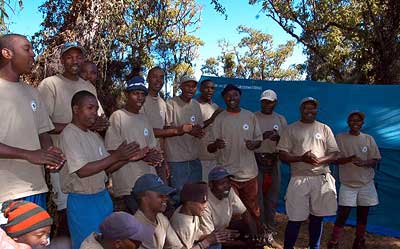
(24, 217)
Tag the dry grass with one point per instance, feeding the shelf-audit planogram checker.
(372, 241)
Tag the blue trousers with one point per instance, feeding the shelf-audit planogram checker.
(85, 213)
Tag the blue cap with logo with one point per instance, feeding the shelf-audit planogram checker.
(70, 45)
(218, 173)
(151, 182)
(136, 83)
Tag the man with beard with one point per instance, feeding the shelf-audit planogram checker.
(152, 195)
(236, 134)
(182, 151)
(358, 156)
(56, 92)
(25, 145)
(271, 125)
(128, 124)
(209, 110)
(309, 146)
(88, 163)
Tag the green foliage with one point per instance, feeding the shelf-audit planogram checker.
(345, 40)
(122, 37)
(254, 57)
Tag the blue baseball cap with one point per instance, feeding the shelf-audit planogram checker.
(218, 173)
(136, 83)
(151, 182)
(70, 45)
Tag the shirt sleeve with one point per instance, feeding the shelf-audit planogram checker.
(47, 94)
(172, 240)
(44, 123)
(74, 151)
(285, 143)
(206, 221)
(237, 204)
(373, 150)
(169, 117)
(113, 137)
(257, 136)
(331, 145)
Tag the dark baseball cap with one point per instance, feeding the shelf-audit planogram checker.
(70, 45)
(218, 173)
(230, 87)
(151, 182)
(136, 83)
(196, 192)
(359, 113)
(121, 226)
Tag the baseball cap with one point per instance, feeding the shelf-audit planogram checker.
(269, 95)
(136, 83)
(70, 45)
(309, 99)
(230, 87)
(121, 226)
(151, 182)
(218, 173)
(197, 192)
(187, 78)
(361, 114)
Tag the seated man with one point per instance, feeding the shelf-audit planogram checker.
(152, 196)
(27, 223)
(225, 209)
(186, 219)
(119, 230)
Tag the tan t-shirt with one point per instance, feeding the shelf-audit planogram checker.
(207, 111)
(23, 118)
(218, 213)
(187, 227)
(91, 243)
(235, 128)
(80, 148)
(131, 127)
(164, 235)
(271, 122)
(155, 109)
(299, 137)
(57, 92)
(364, 147)
(182, 148)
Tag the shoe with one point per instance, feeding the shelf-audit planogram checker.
(359, 243)
(333, 245)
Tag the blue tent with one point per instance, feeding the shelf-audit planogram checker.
(380, 103)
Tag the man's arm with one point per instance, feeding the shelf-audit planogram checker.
(169, 131)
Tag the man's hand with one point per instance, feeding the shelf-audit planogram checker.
(140, 154)
(358, 162)
(126, 151)
(251, 145)
(310, 158)
(186, 128)
(52, 158)
(154, 157)
(101, 124)
(220, 143)
(197, 131)
(344, 160)
(271, 135)
(59, 152)
(221, 236)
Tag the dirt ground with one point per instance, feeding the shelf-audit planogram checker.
(372, 241)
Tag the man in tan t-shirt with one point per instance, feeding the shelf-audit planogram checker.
(152, 195)
(209, 110)
(309, 146)
(269, 175)
(56, 92)
(24, 141)
(129, 125)
(88, 162)
(182, 151)
(236, 134)
(358, 156)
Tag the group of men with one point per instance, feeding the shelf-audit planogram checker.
(218, 166)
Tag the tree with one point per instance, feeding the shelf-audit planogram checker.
(345, 40)
(121, 37)
(5, 7)
(254, 57)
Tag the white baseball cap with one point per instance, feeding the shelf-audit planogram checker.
(269, 95)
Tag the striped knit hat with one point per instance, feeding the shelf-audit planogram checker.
(24, 217)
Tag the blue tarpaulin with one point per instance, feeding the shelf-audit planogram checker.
(380, 103)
